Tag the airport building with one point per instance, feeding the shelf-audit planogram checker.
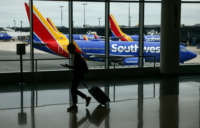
(143, 55)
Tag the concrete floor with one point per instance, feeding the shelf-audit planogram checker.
(160, 103)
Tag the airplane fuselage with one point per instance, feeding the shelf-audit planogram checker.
(5, 36)
(127, 49)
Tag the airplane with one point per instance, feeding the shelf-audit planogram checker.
(117, 32)
(4, 36)
(90, 36)
(122, 52)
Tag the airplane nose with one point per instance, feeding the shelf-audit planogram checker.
(188, 55)
(192, 55)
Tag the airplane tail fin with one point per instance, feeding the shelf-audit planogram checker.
(52, 24)
(117, 31)
(85, 37)
(96, 36)
(46, 33)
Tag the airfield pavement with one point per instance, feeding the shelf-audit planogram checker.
(11, 46)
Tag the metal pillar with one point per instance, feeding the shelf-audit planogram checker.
(70, 21)
(107, 42)
(170, 36)
(129, 15)
(61, 14)
(141, 34)
(31, 35)
(70, 13)
(99, 19)
(84, 23)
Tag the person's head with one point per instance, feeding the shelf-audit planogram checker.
(71, 48)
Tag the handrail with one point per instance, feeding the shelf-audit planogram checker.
(34, 59)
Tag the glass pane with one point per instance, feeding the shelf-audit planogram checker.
(89, 31)
(13, 30)
(152, 23)
(49, 28)
(124, 28)
(190, 32)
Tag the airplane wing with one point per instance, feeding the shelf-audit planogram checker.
(91, 55)
(120, 59)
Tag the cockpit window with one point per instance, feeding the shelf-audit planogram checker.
(183, 49)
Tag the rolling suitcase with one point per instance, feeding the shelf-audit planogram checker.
(98, 94)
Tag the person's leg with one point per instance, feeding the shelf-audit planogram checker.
(76, 92)
(73, 108)
(82, 95)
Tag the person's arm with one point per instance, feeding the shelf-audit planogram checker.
(67, 65)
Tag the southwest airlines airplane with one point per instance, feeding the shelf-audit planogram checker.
(122, 52)
(117, 32)
(5, 36)
(93, 36)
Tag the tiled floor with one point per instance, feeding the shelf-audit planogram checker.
(161, 103)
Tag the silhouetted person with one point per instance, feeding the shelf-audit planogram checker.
(79, 69)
